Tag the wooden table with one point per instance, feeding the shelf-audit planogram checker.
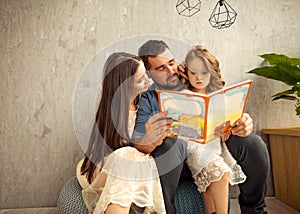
(285, 157)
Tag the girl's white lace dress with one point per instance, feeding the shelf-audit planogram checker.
(208, 163)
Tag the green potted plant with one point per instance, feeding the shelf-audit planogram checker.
(284, 69)
(284, 141)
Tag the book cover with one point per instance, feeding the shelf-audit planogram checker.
(201, 117)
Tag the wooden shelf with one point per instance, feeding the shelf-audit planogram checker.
(288, 130)
(285, 150)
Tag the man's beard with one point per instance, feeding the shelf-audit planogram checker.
(176, 87)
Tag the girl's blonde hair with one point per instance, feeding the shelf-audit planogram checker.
(211, 63)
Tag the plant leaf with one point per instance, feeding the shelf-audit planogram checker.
(289, 66)
(296, 87)
(275, 73)
(293, 71)
(286, 97)
(297, 107)
(284, 93)
(275, 59)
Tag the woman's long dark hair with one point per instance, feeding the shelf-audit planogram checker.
(110, 130)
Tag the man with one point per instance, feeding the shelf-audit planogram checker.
(247, 148)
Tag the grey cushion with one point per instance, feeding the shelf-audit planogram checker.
(70, 199)
(187, 200)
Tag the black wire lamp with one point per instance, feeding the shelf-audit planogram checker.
(223, 15)
(188, 7)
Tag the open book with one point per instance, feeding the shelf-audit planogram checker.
(201, 117)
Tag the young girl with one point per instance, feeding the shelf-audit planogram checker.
(113, 175)
(211, 164)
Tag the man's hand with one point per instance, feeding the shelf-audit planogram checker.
(243, 126)
(157, 128)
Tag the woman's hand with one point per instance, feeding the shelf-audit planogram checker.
(243, 126)
(156, 131)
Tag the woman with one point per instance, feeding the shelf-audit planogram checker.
(115, 176)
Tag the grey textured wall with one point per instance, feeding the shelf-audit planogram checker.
(46, 44)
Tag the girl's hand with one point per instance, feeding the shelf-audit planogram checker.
(225, 137)
(243, 126)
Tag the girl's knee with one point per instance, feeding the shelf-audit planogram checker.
(225, 178)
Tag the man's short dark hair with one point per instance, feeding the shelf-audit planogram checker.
(151, 48)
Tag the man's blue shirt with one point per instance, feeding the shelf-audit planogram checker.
(148, 105)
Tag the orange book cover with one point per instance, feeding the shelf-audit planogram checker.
(200, 117)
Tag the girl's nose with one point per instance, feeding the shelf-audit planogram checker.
(198, 76)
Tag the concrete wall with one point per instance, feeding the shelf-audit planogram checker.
(46, 44)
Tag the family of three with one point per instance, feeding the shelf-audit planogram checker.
(131, 164)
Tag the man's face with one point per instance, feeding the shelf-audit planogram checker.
(164, 70)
